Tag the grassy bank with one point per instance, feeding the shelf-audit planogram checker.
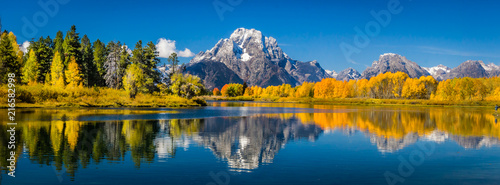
(49, 96)
(356, 101)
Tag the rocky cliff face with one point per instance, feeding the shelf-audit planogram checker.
(470, 68)
(214, 74)
(391, 62)
(255, 59)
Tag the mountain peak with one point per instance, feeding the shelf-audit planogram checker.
(348, 74)
(389, 54)
(254, 58)
(391, 62)
(332, 73)
(470, 68)
(241, 36)
(438, 72)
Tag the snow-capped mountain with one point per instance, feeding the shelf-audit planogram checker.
(391, 62)
(348, 74)
(251, 57)
(332, 73)
(438, 72)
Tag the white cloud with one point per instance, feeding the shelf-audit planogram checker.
(24, 46)
(166, 47)
(129, 51)
(185, 53)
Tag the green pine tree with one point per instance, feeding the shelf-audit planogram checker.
(99, 53)
(87, 67)
(71, 47)
(9, 62)
(58, 44)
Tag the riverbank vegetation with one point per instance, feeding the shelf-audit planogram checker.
(72, 71)
(387, 88)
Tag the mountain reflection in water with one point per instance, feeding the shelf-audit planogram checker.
(59, 139)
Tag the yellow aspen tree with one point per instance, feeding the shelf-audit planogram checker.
(30, 69)
(73, 74)
(133, 80)
(57, 71)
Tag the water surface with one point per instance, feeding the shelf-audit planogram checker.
(255, 143)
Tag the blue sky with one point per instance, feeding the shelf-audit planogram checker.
(428, 32)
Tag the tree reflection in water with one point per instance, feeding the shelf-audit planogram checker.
(57, 138)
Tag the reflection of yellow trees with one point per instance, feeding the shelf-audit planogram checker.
(134, 132)
(397, 124)
(466, 123)
(387, 124)
(184, 126)
(56, 129)
(283, 116)
(72, 132)
(140, 135)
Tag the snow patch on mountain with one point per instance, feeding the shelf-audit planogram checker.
(389, 54)
(332, 73)
(489, 67)
(348, 74)
(438, 72)
(245, 57)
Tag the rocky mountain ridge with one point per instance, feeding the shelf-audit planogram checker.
(249, 56)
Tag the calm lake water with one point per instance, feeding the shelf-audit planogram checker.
(255, 143)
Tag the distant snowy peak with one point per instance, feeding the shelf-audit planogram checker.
(332, 73)
(489, 67)
(438, 72)
(348, 74)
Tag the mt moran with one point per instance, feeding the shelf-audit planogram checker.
(248, 56)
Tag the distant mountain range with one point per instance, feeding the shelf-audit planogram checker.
(248, 56)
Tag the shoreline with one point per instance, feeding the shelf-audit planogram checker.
(356, 101)
(45, 96)
(70, 105)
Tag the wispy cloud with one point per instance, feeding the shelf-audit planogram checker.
(445, 51)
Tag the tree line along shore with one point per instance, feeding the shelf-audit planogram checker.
(384, 89)
(73, 71)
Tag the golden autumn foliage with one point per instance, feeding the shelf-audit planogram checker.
(383, 86)
(73, 74)
(216, 92)
(57, 71)
(305, 90)
(470, 89)
(232, 90)
(30, 69)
